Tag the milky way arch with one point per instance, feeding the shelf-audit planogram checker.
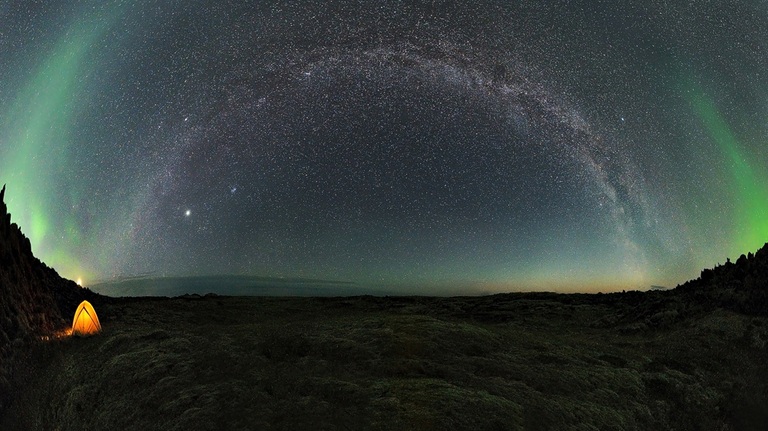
(390, 155)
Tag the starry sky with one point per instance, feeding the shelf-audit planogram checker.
(426, 147)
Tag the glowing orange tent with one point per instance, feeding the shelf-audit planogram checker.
(86, 321)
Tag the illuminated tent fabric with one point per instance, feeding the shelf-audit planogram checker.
(86, 322)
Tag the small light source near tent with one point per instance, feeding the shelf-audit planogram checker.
(86, 322)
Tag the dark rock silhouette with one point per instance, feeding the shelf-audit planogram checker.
(741, 286)
(34, 300)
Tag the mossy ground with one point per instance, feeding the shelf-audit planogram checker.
(503, 362)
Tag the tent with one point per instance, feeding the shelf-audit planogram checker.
(86, 322)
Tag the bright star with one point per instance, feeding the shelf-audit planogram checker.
(187, 213)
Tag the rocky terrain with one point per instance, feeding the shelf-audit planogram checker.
(690, 358)
(504, 362)
(34, 300)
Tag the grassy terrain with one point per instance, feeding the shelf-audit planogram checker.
(535, 362)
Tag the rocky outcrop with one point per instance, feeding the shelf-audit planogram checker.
(34, 299)
(740, 286)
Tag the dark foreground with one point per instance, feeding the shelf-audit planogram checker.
(581, 362)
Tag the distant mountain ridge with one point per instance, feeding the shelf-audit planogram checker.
(230, 285)
(34, 299)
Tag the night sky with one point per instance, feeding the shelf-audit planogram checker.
(426, 147)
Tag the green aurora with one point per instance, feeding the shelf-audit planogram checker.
(36, 149)
(749, 184)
